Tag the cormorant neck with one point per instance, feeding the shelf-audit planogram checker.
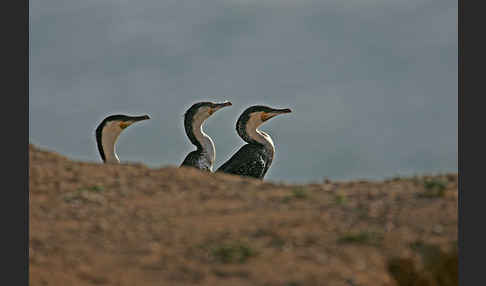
(110, 155)
(201, 140)
(108, 141)
(260, 137)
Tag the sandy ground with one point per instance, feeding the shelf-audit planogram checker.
(95, 224)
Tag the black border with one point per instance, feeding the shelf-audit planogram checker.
(15, 136)
(471, 126)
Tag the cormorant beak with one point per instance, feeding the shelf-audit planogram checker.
(218, 106)
(132, 120)
(140, 118)
(275, 112)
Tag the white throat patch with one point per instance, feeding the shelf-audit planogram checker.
(109, 135)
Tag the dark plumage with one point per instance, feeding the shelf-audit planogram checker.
(203, 157)
(119, 118)
(253, 159)
(198, 160)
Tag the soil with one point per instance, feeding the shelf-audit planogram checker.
(128, 224)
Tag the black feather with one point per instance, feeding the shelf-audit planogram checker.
(197, 160)
(251, 160)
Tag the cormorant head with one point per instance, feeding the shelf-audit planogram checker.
(198, 113)
(255, 116)
(110, 128)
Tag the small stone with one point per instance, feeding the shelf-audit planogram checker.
(438, 229)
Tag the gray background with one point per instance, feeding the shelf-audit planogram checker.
(372, 83)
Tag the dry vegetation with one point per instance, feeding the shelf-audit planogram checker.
(94, 224)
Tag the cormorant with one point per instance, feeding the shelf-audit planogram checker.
(254, 158)
(203, 157)
(108, 131)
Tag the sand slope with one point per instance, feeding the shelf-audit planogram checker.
(94, 224)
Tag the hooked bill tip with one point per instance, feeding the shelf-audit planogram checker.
(226, 103)
(143, 117)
